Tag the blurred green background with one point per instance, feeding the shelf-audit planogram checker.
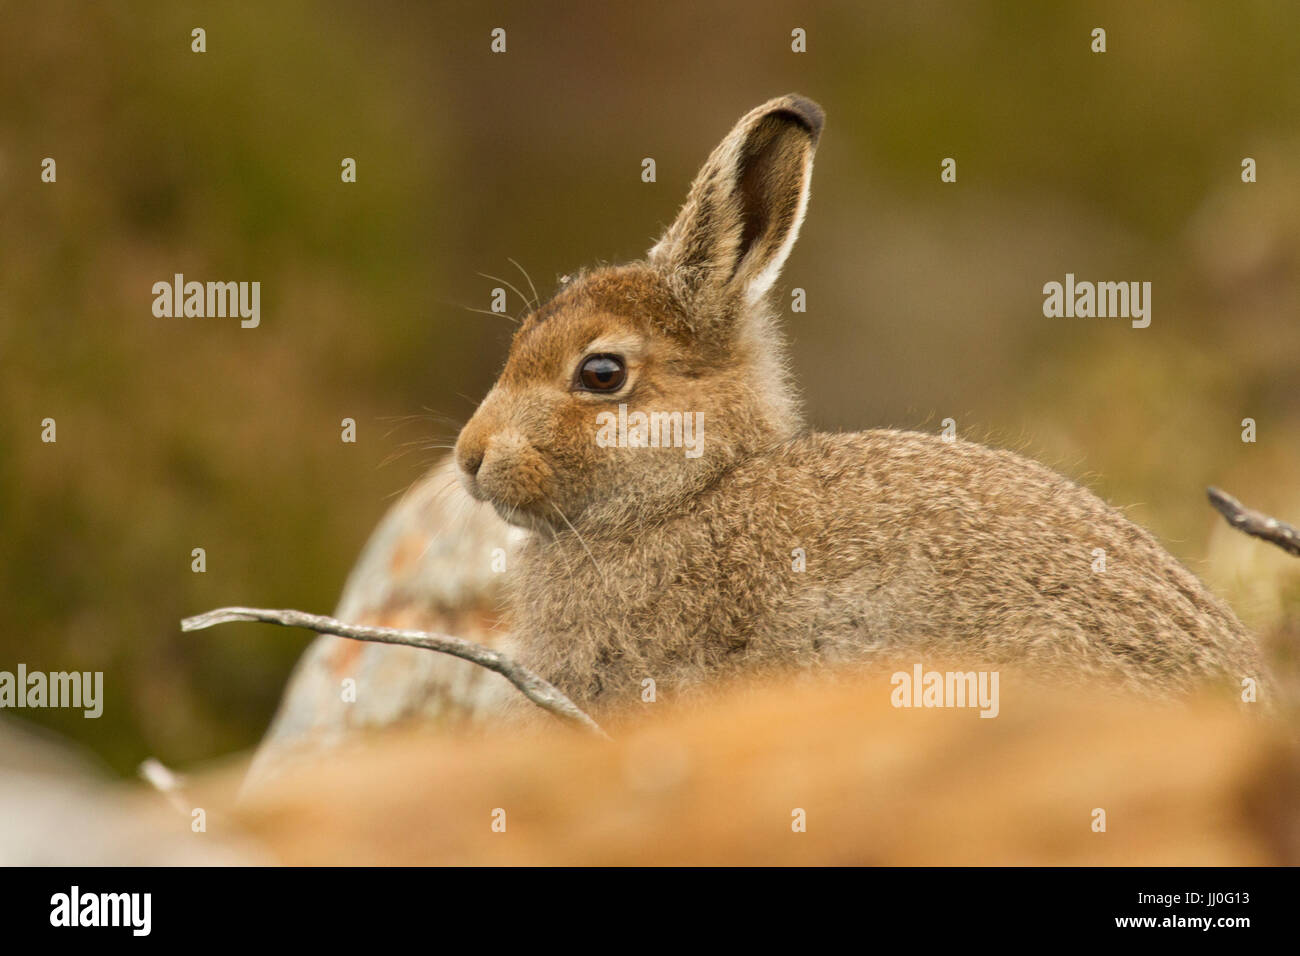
(924, 299)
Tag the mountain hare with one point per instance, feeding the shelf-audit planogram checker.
(688, 526)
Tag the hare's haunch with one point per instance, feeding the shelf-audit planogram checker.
(688, 526)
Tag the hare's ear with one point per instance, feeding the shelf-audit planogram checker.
(746, 205)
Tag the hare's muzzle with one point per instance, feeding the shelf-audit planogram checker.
(502, 467)
(470, 451)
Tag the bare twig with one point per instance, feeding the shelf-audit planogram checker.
(1255, 523)
(169, 784)
(542, 693)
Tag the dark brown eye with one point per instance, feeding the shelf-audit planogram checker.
(602, 373)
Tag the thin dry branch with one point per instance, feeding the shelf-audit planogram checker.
(169, 784)
(542, 693)
(1255, 523)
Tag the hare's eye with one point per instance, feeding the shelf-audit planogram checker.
(602, 373)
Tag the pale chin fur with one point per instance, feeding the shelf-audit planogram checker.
(522, 518)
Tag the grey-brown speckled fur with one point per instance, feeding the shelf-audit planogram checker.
(916, 550)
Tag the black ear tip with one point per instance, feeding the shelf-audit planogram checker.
(806, 112)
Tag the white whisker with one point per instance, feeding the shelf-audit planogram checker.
(522, 298)
(537, 299)
(594, 564)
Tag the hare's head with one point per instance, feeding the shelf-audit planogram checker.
(636, 385)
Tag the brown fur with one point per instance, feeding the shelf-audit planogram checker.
(649, 564)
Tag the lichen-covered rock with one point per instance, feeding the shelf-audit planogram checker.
(436, 562)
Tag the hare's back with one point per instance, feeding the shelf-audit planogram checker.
(958, 536)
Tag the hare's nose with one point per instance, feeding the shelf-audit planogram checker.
(470, 445)
(471, 459)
